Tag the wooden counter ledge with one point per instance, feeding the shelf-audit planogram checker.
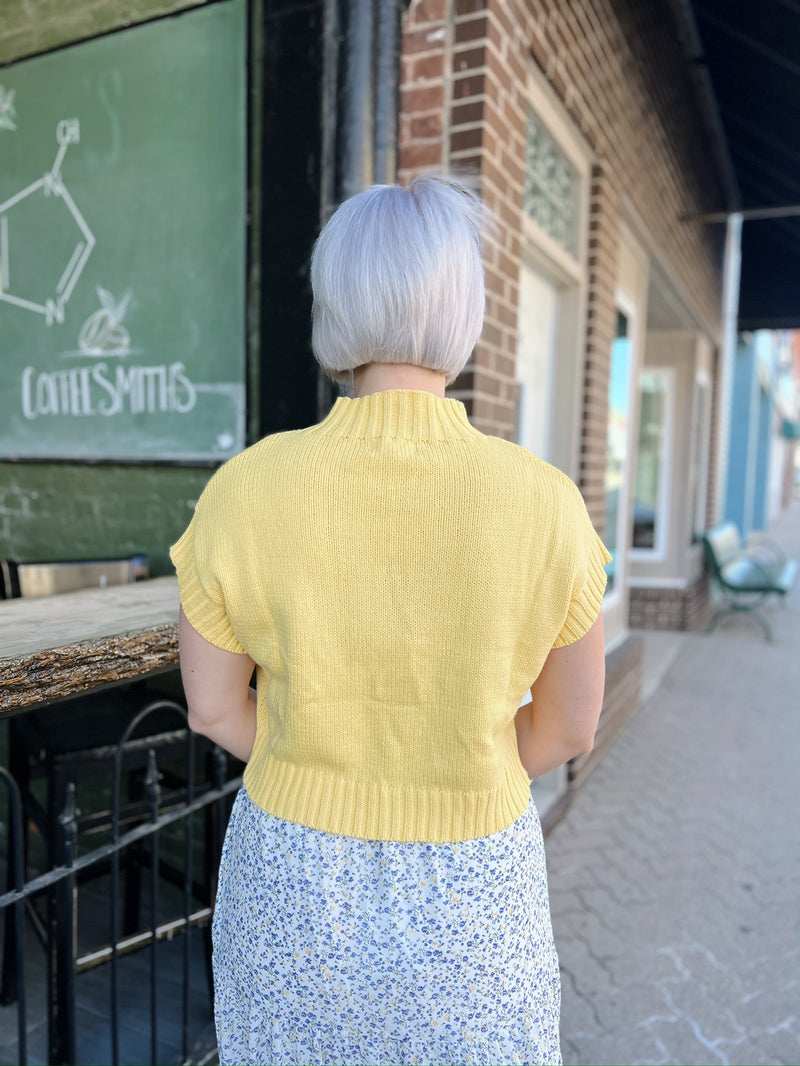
(58, 646)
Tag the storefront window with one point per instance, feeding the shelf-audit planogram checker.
(651, 459)
(617, 439)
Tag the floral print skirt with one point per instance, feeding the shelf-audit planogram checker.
(334, 950)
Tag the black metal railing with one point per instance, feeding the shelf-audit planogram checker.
(154, 878)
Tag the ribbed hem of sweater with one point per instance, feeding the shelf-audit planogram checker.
(376, 811)
(585, 609)
(421, 416)
(205, 614)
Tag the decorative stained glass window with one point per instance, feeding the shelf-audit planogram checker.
(551, 187)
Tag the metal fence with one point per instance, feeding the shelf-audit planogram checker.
(154, 876)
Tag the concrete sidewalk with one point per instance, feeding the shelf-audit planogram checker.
(675, 875)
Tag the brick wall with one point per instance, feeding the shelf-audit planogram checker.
(617, 68)
(653, 608)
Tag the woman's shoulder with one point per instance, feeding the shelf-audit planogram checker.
(252, 463)
(524, 465)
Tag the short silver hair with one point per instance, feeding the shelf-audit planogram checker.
(397, 277)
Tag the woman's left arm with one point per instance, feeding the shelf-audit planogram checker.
(560, 721)
(222, 706)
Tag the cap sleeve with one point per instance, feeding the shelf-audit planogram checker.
(589, 583)
(201, 592)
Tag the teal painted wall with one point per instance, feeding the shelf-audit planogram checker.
(69, 511)
(34, 26)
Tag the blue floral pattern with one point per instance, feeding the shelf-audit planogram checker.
(330, 949)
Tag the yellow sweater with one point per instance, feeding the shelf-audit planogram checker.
(399, 579)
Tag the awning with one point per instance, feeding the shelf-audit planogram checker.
(751, 53)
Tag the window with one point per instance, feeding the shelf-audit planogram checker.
(552, 187)
(650, 499)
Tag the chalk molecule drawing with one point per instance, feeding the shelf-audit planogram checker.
(103, 333)
(7, 112)
(50, 304)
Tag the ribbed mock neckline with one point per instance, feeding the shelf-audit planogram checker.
(405, 414)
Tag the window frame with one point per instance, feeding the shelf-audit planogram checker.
(658, 553)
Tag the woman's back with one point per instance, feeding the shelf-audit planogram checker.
(399, 579)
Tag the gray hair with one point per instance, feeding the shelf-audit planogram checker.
(397, 278)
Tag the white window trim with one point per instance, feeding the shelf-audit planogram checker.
(540, 247)
(568, 272)
(613, 599)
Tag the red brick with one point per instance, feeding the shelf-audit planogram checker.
(468, 7)
(467, 113)
(426, 126)
(494, 282)
(465, 381)
(466, 139)
(507, 317)
(471, 29)
(426, 98)
(427, 68)
(491, 385)
(491, 334)
(469, 59)
(413, 156)
(468, 85)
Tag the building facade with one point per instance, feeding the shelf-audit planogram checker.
(581, 126)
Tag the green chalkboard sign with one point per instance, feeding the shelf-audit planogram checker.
(122, 244)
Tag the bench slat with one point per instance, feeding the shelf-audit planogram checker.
(725, 544)
(787, 576)
(746, 575)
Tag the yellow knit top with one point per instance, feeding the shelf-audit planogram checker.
(399, 579)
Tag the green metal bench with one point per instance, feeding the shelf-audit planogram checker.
(746, 574)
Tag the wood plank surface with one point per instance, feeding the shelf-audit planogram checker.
(58, 646)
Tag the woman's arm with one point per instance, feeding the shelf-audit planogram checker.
(222, 706)
(561, 721)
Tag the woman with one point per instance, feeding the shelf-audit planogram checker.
(399, 581)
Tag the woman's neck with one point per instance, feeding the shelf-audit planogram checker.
(378, 377)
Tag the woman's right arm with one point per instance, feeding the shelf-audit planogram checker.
(221, 704)
(561, 720)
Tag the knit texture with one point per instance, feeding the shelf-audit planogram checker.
(399, 579)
